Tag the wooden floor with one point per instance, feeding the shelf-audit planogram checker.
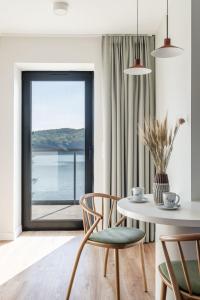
(37, 266)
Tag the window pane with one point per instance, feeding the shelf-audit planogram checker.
(58, 144)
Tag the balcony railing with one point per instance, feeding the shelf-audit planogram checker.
(57, 176)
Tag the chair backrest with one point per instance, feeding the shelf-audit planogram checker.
(101, 207)
(179, 240)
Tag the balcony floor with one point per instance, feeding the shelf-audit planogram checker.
(56, 212)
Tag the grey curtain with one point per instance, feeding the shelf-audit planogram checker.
(128, 100)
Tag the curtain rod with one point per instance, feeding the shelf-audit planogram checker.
(131, 34)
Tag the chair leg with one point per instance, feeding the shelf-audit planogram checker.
(163, 292)
(106, 262)
(143, 266)
(74, 269)
(117, 273)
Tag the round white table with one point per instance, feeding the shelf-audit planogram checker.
(184, 220)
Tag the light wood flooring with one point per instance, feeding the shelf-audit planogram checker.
(37, 266)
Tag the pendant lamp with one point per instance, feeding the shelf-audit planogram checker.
(167, 50)
(137, 68)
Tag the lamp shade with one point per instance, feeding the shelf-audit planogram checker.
(167, 50)
(137, 69)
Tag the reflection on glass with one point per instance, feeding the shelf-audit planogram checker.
(58, 143)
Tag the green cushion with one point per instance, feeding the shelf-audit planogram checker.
(194, 275)
(117, 235)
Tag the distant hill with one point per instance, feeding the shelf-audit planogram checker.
(63, 139)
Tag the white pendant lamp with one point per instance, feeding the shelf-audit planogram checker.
(167, 50)
(137, 68)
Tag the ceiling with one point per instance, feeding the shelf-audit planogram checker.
(84, 17)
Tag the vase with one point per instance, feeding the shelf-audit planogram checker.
(160, 186)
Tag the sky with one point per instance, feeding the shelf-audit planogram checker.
(58, 104)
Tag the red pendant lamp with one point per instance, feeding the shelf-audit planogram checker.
(137, 68)
(167, 50)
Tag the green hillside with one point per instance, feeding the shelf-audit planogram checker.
(62, 139)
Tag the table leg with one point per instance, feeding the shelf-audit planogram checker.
(189, 251)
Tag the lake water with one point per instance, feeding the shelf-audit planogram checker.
(53, 176)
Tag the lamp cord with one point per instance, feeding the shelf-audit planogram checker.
(138, 47)
(167, 19)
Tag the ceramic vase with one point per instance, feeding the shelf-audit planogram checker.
(160, 186)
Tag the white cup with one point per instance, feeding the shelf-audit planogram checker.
(137, 193)
(171, 199)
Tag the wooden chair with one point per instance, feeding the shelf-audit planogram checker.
(99, 232)
(182, 276)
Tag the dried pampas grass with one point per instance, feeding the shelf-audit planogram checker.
(159, 138)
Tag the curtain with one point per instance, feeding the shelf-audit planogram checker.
(128, 101)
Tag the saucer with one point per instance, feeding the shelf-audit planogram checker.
(143, 200)
(169, 208)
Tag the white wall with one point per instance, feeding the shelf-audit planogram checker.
(14, 51)
(173, 93)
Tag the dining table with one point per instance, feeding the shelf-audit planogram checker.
(185, 219)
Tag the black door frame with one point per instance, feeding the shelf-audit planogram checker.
(27, 78)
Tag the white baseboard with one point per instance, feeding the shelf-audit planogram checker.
(18, 231)
(7, 236)
(11, 236)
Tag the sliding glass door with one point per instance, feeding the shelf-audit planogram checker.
(57, 132)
